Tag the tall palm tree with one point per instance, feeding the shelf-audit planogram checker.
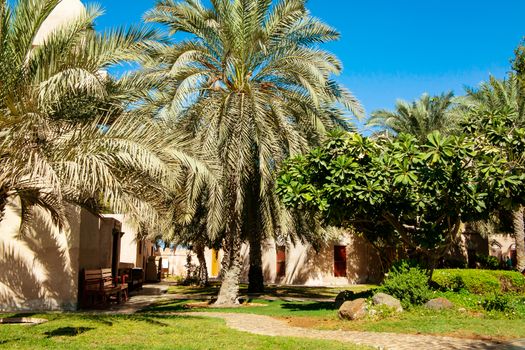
(251, 84)
(492, 98)
(67, 133)
(419, 118)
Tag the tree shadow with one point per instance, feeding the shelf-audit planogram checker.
(98, 319)
(315, 306)
(36, 270)
(166, 306)
(67, 331)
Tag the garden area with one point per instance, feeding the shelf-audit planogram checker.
(483, 305)
(224, 129)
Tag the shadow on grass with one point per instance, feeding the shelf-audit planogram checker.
(316, 306)
(275, 291)
(166, 306)
(102, 319)
(67, 331)
(364, 294)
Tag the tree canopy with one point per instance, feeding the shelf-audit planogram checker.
(420, 193)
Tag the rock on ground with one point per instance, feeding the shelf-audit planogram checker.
(387, 300)
(353, 310)
(439, 304)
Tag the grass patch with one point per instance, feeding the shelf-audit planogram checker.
(145, 331)
(422, 321)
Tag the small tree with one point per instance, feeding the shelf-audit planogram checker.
(419, 192)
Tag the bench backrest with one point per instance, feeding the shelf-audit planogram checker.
(98, 278)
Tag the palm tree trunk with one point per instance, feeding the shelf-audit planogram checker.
(203, 269)
(255, 276)
(229, 292)
(519, 235)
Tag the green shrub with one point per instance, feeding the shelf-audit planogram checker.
(479, 281)
(497, 302)
(488, 262)
(408, 284)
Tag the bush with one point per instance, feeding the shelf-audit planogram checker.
(408, 284)
(479, 281)
(497, 302)
(488, 262)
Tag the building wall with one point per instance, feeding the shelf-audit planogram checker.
(65, 11)
(39, 270)
(304, 265)
(502, 246)
(96, 241)
(132, 251)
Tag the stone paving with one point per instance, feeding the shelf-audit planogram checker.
(269, 326)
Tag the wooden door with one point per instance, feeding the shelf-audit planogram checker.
(281, 261)
(340, 261)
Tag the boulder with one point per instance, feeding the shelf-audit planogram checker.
(439, 304)
(387, 300)
(353, 310)
(342, 297)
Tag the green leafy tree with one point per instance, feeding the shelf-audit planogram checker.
(419, 118)
(252, 86)
(420, 193)
(495, 115)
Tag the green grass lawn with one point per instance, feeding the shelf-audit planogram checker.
(473, 323)
(145, 331)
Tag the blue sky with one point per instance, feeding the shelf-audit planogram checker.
(402, 48)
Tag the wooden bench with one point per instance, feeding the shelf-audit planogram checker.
(100, 288)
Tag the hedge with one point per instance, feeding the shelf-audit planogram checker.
(479, 281)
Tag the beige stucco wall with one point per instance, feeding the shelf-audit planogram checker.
(96, 235)
(130, 252)
(65, 11)
(128, 243)
(38, 270)
(501, 245)
(304, 265)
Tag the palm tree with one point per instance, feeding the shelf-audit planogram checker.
(419, 118)
(67, 132)
(252, 86)
(493, 98)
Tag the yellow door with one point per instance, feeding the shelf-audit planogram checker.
(214, 263)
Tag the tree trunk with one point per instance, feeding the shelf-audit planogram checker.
(255, 276)
(229, 292)
(519, 235)
(203, 269)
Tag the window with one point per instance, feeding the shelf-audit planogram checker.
(281, 261)
(340, 261)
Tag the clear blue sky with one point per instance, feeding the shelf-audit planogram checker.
(402, 48)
